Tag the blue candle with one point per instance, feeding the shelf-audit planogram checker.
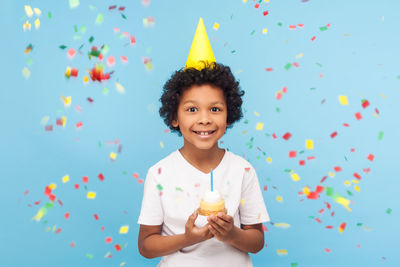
(211, 180)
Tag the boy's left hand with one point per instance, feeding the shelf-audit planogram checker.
(221, 226)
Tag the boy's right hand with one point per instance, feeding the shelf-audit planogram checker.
(195, 234)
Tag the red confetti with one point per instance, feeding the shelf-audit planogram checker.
(358, 116)
(58, 231)
(365, 104)
(59, 202)
(300, 25)
(264, 227)
(47, 191)
(26, 192)
(342, 226)
(265, 13)
(265, 188)
(269, 69)
(37, 202)
(346, 124)
(274, 136)
(310, 158)
(284, 89)
(357, 176)
(159, 170)
(79, 125)
(287, 136)
(328, 205)
(52, 197)
(66, 215)
(74, 72)
(329, 227)
(96, 217)
(302, 162)
(323, 179)
(108, 240)
(140, 181)
(101, 177)
(367, 170)
(337, 169)
(76, 186)
(247, 169)
(318, 220)
(278, 96)
(313, 38)
(102, 228)
(72, 244)
(135, 175)
(295, 64)
(334, 134)
(292, 27)
(121, 8)
(327, 250)
(370, 157)
(321, 211)
(292, 154)
(90, 100)
(352, 150)
(118, 247)
(257, 5)
(85, 179)
(112, 7)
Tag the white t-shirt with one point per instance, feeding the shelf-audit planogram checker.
(172, 192)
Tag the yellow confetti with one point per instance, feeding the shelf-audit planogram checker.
(28, 11)
(65, 179)
(37, 24)
(279, 199)
(37, 11)
(161, 144)
(343, 201)
(260, 126)
(52, 186)
(383, 95)
(91, 195)
(63, 121)
(120, 88)
(242, 201)
(113, 156)
(27, 25)
(85, 79)
(244, 1)
(355, 181)
(67, 101)
(343, 100)
(309, 144)
(40, 214)
(26, 72)
(347, 183)
(299, 55)
(269, 160)
(383, 18)
(331, 174)
(244, 132)
(282, 225)
(122, 263)
(124, 229)
(216, 26)
(264, 30)
(306, 190)
(281, 252)
(256, 113)
(295, 177)
(357, 188)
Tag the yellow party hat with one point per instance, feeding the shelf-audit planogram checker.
(200, 50)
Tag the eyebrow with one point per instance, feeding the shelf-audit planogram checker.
(194, 102)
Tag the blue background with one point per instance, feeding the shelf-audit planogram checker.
(357, 56)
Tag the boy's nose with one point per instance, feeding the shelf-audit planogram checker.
(204, 118)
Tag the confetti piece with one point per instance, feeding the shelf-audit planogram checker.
(110, 61)
(118, 247)
(88, 255)
(149, 21)
(259, 126)
(343, 100)
(282, 225)
(292, 154)
(28, 11)
(65, 179)
(279, 199)
(113, 156)
(37, 24)
(120, 88)
(309, 144)
(216, 26)
(108, 240)
(161, 144)
(370, 157)
(124, 229)
(295, 177)
(358, 116)
(264, 30)
(281, 252)
(26, 73)
(287, 136)
(91, 195)
(389, 211)
(99, 19)
(71, 53)
(327, 250)
(341, 227)
(269, 160)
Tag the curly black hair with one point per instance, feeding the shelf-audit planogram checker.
(214, 74)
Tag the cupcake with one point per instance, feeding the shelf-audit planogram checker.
(211, 204)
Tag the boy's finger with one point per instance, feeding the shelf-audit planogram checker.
(217, 227)
(213, 231)
(225, 217)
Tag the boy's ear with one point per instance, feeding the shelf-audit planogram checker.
(174, 123)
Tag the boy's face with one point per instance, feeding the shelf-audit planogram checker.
(201, 116)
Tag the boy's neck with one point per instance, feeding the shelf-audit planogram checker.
(203, 159)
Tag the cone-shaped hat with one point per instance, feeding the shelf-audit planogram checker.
(200, 50)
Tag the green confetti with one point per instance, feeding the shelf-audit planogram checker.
(82, 29)
(75, 28)
(81, 47)
(380, 135)
(100, 18)
(73, 3)
(246, 121)
(123, 16)
(91, 39)
(89, 256)
(179, 189)
(301, 152)
(311, 217)
(287, 170)
(159, 187)
(359, 224)
(26, 72)
(252, 32)
(124, 172)
(233, 51)
(99, 144)
(91, 7)
(324, 28)
(345, 158)
(294, 264)
(288, 66)
(49, 15)
(105, 49)
(231, 16)
(105, 91)
(278, 109)
(29, 61)
(313, 88)
(318, 64)
(258, 157)
(62, 46)
(280, 24)
(398, 77)
(48, 205)
(85, 187)
(389, 210)
(349, 193)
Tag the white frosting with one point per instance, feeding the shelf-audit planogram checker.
(212, 197)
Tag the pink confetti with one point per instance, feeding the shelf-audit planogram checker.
(85, 179)
(327, 250)
(313, 38)
(370, 157)
(66, 215)
(334, 134)
(269, 69)
(337, 169)
(358, 116)
(108, 240)
(110, 61)
(96, 217)
(79, 125)
(124, 59)
(292, 154)
(71, 53)
(135, 175)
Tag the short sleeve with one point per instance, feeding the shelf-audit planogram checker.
(252, 209)
(151, 212)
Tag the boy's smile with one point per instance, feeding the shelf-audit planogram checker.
(201, 116)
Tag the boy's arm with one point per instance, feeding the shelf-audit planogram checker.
(248, 238)
(152, 244)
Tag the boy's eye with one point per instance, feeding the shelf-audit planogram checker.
(215, 109)
(192, 109)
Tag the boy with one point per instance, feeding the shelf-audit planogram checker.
(200, 103)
